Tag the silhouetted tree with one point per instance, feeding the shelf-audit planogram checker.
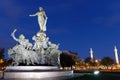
(91, 62)
(2, 53)
(3, 61)
(74, 56)
(87, 60)
(67, 59)
(107, 61)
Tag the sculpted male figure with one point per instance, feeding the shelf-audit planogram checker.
(22, 41)
(42, 19)
(40, 41)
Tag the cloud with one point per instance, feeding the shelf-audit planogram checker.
(113, 20)
(10, 8)
(114, 6)
(110, 15)
(113, 17)
(10, 13)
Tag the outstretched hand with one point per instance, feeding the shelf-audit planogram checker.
(30, 15)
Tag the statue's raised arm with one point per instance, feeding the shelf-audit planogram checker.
(33, 14)
(13, 35)
(21, 40)
(42, 19)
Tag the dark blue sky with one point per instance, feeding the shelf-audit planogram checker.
(77, 25)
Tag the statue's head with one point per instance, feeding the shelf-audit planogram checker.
(40, 8)
(21, 36)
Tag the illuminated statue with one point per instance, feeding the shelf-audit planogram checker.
(41, 52)
(42, 19)
(22, 41)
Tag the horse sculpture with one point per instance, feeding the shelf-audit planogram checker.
(21, 55)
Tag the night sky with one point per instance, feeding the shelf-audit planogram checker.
(77, 25)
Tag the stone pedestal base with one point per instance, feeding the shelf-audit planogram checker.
(35, 72)
(31, 68)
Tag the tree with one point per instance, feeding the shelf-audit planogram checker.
(91, 62)
(2, 53)
(3, 61)
(68, 59)
(88, 60)
(107, 61)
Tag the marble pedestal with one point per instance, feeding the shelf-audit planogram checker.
(35, 72)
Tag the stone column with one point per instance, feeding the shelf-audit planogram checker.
(91, 53)
(116, 55)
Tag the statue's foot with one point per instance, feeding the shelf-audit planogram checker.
(41, 31)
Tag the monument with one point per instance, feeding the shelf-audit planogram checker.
(36, 59)
(42, 52)
(91, 54)
(116, 55)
